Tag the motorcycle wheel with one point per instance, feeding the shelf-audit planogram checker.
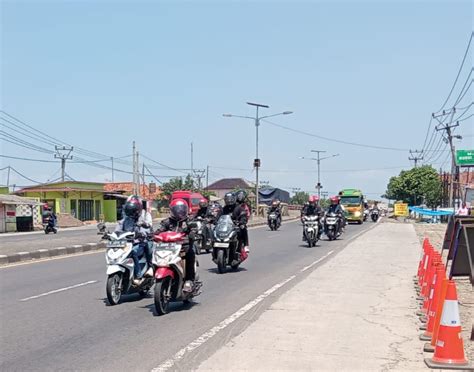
(46, 231)
(114, 289)
(330, 235)
(162, 287)
(220, 262)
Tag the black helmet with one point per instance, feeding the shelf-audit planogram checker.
(229, 198)
(216, 210)
(241, 195)
(202, 203)
(179, 209)
(133, 207)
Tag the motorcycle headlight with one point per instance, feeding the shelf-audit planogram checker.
(357, 214)
(114, 255)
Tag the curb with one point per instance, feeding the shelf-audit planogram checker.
(74, 249)
(49, 253)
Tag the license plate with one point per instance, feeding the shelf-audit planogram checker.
(116, 244)
(221, 245)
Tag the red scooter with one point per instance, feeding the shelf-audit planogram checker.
(170, 268)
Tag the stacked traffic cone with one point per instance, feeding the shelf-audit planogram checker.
(427, 251)
(449, 348)
(430, 346)
(434, 299)
(424, 250)
(433, 260)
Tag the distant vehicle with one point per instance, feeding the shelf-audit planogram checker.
(353, 202)
(190, 197)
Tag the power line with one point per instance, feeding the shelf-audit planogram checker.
(463, 92)
(459, 73)
(333, 139)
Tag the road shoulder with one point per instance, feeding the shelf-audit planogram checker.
(356, 312)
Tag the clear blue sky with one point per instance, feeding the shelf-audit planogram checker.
(101, 74)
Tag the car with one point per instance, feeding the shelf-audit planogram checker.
(190, 197)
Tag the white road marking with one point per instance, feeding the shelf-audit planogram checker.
(316, 262)
(169, 363)
(59, 290)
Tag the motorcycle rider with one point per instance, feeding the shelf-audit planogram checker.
(180, 221)
(146, 223)
(133, 222)
(239, 216)
(312, 208)
(335, 207)
(241, 198)
(203, 212)
(275, 208)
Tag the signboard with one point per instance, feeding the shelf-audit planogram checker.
(465, 158)
(400, 209)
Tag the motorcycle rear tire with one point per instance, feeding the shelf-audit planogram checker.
(221, 266)
(161, 302)
(114, 289)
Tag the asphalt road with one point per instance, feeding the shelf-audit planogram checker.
(75, 329)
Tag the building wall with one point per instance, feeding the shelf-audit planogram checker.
(62, 200)
(110, 210)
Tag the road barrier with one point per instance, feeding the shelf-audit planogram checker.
(439, 311)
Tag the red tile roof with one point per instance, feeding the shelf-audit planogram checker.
(127, 189)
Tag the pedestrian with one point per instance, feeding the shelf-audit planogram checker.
(463, 210)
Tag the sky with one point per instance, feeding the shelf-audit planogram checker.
(100, 74)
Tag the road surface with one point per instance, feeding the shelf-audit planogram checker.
(54, 314)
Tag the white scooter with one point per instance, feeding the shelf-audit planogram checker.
(120, 267)
(311, 229)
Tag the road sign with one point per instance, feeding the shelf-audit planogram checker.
(465, 158)
(400, 209)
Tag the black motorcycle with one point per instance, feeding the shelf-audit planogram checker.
(332, 226)
(50, 226)
(227, 250)
(203, 241)
(374, 215)
(273, 221)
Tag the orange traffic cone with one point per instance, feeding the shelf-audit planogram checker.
(449, 351)
(425, 289)
(424, 250)
(430, 346)
(435, 293)
(424, 266)
(431, 282)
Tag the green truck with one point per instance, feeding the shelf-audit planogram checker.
(352, 200)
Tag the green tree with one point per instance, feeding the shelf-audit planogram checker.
(176, 184)
(299, 198)
(416, 186)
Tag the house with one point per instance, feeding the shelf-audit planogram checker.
(83, 200)
(225, 185)
(119, 191)
(19, 214)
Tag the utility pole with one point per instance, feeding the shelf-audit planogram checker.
(199, 174)
(192, 158)
(449, 139)
(318, 186)
(138, 174)
(256, 119)
(207, 177)
(112, 160)
(63, 153)
(8, 178)
(415, 157)
(135, 166)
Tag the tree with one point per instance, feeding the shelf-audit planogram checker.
(416, 186)
(299, 198)
(176, 184)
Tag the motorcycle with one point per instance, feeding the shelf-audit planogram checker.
(332, 226)
(202, 244)
(311, 229)
(170, 271)
(227, 250)
(366, 214)
(374, 215)
(273, 222)
(120, 267)
(50, 227)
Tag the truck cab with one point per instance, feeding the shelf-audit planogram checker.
(190, 197)
(352, 200)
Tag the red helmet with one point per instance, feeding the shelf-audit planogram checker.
(313, 199)
(335, 199)
(179, 209)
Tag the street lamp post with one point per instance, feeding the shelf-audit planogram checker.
(318, 160)
(257, 118)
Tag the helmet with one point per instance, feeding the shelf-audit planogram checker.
(313, 199)
(334, 200)
(202, 203)
(216, 210)
(133, 207)
(179, 209)
(241, 195)
(230, 198)
(275, 203)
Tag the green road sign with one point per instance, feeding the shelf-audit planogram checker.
(465, 158)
